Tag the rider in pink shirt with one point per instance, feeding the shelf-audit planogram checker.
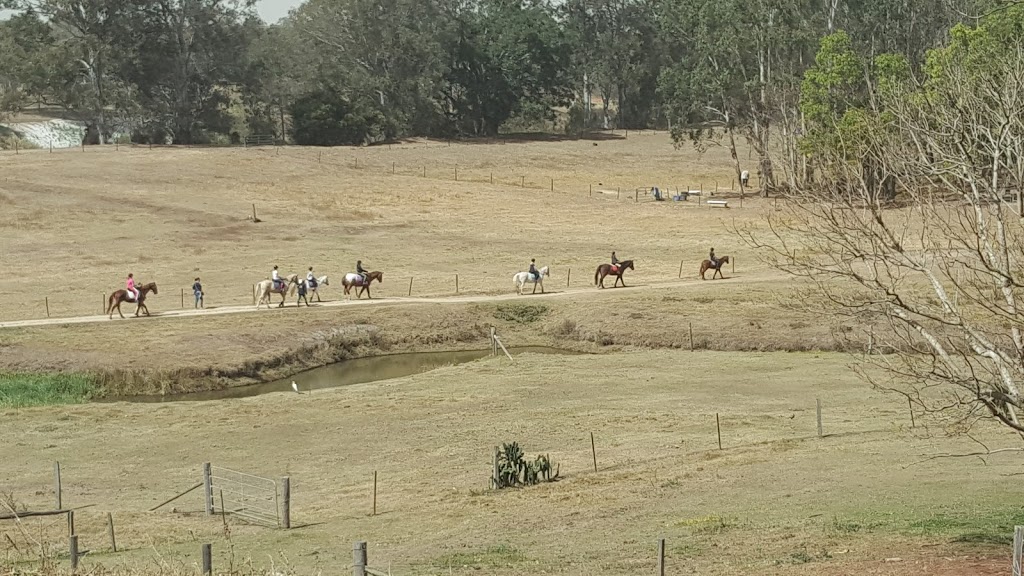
(130, 285)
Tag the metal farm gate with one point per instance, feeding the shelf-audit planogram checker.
(252, 498)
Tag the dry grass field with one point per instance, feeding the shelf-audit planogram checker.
(776, 500)
(75, 223)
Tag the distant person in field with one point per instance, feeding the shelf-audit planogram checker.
(276, 278)
(311, 279)
(302, 294)
(533, 269)
(129, 286)
(197, 291)
(361, 271)
(745, 178)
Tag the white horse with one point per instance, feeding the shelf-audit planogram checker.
(265, 288)
(321, 281)
(523, 277)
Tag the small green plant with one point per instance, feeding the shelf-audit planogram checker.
(520, 313)
(511, 468)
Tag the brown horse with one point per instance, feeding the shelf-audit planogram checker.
(606, 270)
(120, 296)
(355, 280)
(706, 265)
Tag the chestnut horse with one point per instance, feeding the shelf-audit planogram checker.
(355, 280)
(120, 296)
(706, 265)
(606, 270)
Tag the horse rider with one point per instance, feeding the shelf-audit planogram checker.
(361, 271)
(713, 259)
(130, 287)
(615, 262)
(276, 278)
(533, 270)
(310, 279)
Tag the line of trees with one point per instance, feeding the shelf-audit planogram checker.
(355, 71)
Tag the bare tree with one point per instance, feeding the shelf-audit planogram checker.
(933, 271)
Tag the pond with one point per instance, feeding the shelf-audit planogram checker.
(345, 373)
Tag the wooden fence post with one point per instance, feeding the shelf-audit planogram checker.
(817, 403)
(494, 470)
(253, 294)
(207, 559)
(733, 262)
(183, 298)
(110, 531)
(104, 303)
(456, 283)
(691, 336)
(73, 551)
(593, 450)
(661, 557)
(910, 403)
(636, 196)
(718, 427)
(374, 493)
(591, 189)
(46, 300)
(286, 502)
(359, 559)
(522, 181)
(680, 269)
(494, 344)
(1018, 547)
(456, 173)
(410, 286)
(56, 486)
(424, 171)
(618, 192)
(552, 184)
(71, 522)
(568, 275)
(254, 212)
(208, 486)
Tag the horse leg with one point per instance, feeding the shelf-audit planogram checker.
(119, 309)
(534, 288)
(541, 287)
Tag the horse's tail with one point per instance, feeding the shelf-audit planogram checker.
(596, 274)
(110, 303)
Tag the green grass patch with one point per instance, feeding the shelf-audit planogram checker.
(520, 313)
(24, 390)
(500, 556)
(995, 527)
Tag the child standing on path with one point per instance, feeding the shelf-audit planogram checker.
(197, 291)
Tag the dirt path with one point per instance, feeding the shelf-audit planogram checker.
(392, 301)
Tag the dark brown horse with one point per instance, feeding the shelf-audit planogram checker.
(606, 270)
(355, 280)
(120, 296)
(706, 265)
